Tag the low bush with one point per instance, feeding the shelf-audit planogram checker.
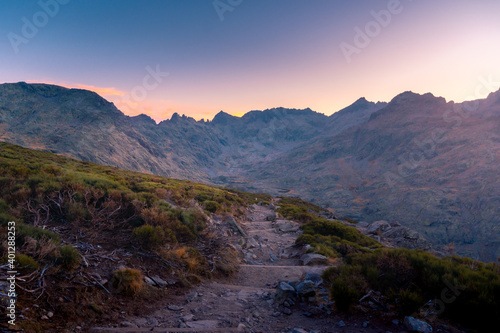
(69, 257)
(194, 219)
(26, 262)
(345, 293)
(152, 237)
(411, 277)
(190, 258)
(24, 230)
(128, 281)
(211, 206)
(333, 239)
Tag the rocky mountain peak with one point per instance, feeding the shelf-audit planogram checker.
(409, 97)
(222, 118)
(143, 118)
(362, 105)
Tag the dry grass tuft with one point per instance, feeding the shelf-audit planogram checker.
(127, 280)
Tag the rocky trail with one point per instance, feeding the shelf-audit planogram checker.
(277, 289)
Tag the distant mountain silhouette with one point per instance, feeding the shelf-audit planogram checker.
(429, 164)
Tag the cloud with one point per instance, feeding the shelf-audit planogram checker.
(160, 109)
(103, 91)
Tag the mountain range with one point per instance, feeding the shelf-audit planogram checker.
(419, 160)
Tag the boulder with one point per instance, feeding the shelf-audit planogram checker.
(404, 237)
(149, 281)
(175, 308)
(187, 317)
(310, 259)
(412, 235)
(298, 330)
(271, 217)
(314, 277)
(362, 224)
(415, 325)
(252, 243)
(286, 287)
(378, 227)
(328, 215)
(286, 226)
(159, 281)
(306, 288)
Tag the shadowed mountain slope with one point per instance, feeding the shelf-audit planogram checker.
(429, 164)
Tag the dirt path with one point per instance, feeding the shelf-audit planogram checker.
(245, 302)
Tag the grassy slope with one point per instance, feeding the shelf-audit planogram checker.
(465, 291)
(161, 221)
(65, 208)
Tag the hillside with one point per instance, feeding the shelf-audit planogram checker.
(420, 161)
(369, 161)
(83, 125)
(89, 237)
(104, 249)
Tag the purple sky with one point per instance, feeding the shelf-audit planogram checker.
(242, 55)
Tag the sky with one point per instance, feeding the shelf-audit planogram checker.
(198, 57)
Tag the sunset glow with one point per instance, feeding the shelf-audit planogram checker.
(258, 56)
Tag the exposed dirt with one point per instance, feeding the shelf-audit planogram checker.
(244, 302)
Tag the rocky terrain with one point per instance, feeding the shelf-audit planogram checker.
(278, 288)
(419, 161)
(100, 249)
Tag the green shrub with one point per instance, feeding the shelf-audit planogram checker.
(410, 277)
(26, 262)
(69, 257)
(211, 206)
(409, 301)
(5, 218)
(298, 202)
(136, 221)
(4, 207)
(345, 292)
(193, 219)
(184, 234)
(150, 237)
(334, 228)
(24, 230)
(75, 211)
(305, 239)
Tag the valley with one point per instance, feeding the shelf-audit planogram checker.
(102, 249)
(428, 164)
